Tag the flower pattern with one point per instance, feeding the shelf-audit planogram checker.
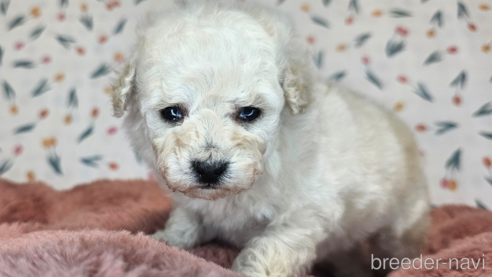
(429, 61)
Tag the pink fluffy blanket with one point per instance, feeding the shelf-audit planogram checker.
(100, 229)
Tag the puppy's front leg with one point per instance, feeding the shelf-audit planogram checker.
(284, 249)
(183, 229)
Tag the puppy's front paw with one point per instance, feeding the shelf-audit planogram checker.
(176, 239)
(245, 264)
(262, 260)
(182, 230)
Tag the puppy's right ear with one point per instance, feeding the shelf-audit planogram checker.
(123, 87)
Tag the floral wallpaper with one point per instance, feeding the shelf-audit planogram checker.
(429, 61)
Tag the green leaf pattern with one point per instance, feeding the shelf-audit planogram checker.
(427, 61)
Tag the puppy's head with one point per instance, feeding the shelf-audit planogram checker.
(209, 84)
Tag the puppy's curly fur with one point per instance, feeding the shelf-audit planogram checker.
(318, 172)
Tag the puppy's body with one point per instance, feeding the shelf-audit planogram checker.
(342, 172)
(320, 171)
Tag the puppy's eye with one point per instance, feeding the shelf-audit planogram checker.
(172, 114)
(248, 114)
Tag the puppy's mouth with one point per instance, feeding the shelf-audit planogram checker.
(209, 186)
(209, 192)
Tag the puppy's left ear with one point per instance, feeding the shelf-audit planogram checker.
(293, 58)
(123, 87)
(298, 74)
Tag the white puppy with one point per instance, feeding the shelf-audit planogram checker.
(225, 105)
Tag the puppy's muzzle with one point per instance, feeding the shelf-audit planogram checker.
(209, 173)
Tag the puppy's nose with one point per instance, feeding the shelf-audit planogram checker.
(209, 172)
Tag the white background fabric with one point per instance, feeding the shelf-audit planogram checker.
(350, 44)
